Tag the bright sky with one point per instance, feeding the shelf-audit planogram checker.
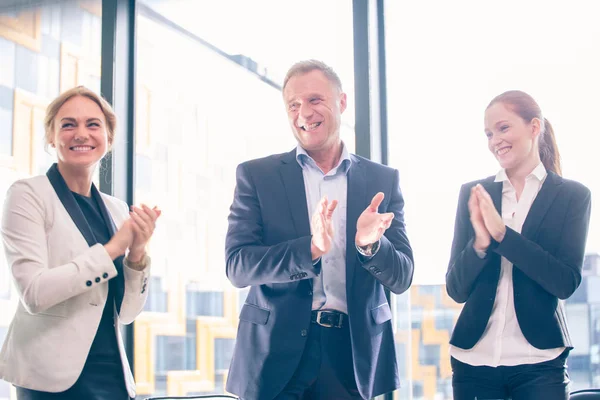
(446, 60)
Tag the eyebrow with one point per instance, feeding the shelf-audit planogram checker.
(308, 96)
(69, 119)
(501, 122)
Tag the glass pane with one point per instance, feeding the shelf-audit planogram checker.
(445, 62)
(44, 51)
(208, 98)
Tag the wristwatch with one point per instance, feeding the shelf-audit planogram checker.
(369, 250)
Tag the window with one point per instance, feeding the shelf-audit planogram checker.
(45, 50)
(208, 98)
(445, 62)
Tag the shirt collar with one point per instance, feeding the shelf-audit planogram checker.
(538, 172)
(305, 160)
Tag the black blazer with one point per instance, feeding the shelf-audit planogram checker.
(547, 258)
(268, 248)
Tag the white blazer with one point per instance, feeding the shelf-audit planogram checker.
(50, 336)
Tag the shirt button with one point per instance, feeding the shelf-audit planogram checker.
(97, 280)
(88, 283)
(105, 275)
(304, 332)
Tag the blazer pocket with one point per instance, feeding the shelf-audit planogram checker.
(59, 310)
(381, 313)
(254, 314)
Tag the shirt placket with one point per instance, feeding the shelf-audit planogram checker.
(508, 217)
(326, 189)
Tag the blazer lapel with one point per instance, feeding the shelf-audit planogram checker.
(110, 224)
(117, 284)
(293, 181)
(541, 204)
(68, 200)
(356, 199)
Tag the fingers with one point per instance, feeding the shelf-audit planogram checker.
(138, 230)
(388, 224)
(483, 196)
(140, 225)
(473, 199)
(325, 207)
(377, 199)
(330, 209)
(386, 221)
(147, 215)
(143, 221)
(152, 213)
(387, 217)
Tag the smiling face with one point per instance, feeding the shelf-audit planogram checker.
(80, 134)
(314, 106)
(512, 140)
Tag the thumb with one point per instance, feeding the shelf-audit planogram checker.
(388, 217)
(377, 199)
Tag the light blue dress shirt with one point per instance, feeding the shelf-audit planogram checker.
(329, 288)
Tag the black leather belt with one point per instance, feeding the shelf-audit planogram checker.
(329, 319)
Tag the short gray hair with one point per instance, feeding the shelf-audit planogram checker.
(306, 66)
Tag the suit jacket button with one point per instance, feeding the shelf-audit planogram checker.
(97, 280)
(304, 332)
(105, 275)
(88, 283)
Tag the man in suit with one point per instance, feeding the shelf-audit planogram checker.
(316, 323)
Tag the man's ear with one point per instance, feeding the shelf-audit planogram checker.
(343, 102)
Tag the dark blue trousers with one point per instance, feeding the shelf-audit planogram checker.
(325, 370)
(544, 381)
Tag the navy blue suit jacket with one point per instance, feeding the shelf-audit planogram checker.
(547, 259)
(268, 248)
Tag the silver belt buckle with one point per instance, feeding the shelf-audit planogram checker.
(328, 324)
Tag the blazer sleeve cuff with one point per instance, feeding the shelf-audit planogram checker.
(136, 281)
(509, 240)
(97, 264)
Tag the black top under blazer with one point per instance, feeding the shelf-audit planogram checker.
(547, 261)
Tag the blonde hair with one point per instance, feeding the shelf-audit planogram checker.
(57, 103)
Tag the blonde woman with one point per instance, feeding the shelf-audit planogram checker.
(78, 260)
